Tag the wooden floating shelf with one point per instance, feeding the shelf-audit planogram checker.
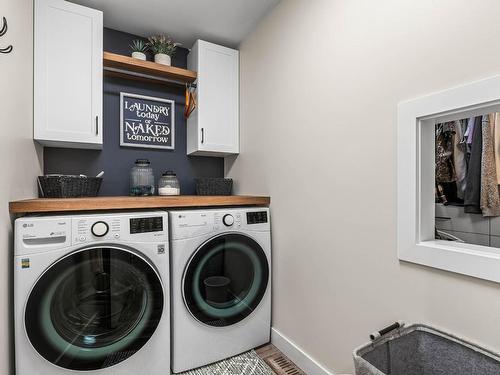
(126, 203)
(130, 68)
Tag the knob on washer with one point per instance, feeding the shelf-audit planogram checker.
(228, 220)
(99, 229)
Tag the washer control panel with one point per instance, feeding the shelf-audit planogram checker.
(120, 227)
(46, 231)
(228, 220)
(146, 224)
(99, 228)
(91, 229)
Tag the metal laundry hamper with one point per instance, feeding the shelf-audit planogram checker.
(419, 349)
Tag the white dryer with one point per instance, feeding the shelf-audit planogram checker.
(91, 294)
(220, 284)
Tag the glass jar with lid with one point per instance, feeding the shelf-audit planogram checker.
(169, 184)
(142, 180)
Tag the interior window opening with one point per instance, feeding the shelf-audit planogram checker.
(467, 179)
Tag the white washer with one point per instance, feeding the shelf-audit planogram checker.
(220, 284)
(91, 294)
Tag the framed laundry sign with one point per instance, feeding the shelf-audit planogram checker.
(147, 122)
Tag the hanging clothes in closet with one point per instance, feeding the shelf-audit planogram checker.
(460, 156)
(490, 200)
(468, 164)
(445, 167)
(496, 134)
(472, 199)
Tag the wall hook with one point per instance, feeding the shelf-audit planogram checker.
(2, 32)
(6, 49)
(4, 26)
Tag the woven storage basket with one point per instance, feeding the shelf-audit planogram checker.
(214, 186)
(61, 186)
(420, 349)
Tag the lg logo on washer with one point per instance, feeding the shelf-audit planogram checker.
(31, 225)
(43, 231)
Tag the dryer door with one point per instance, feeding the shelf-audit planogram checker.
(94, 308)
(225, 280)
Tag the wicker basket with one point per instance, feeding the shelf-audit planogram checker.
(214, 186)
(61, 186)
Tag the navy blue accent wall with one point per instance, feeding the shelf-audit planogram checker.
(116, 161)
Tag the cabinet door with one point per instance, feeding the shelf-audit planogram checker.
(217, 116)
(67, 75)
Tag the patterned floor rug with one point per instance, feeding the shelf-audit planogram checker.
(247, 363)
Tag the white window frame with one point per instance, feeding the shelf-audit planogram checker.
(415, 177)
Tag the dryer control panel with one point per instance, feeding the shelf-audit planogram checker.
(188, 224)
(257, 217)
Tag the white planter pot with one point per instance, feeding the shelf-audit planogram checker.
(139, 56)
(163, 59)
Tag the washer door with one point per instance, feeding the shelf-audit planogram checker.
(225, 280)
(94, 308)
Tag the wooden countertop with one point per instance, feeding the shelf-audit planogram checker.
(127, 203)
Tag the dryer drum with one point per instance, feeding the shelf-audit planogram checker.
(216, 289)
(94, 308)
(225, 280)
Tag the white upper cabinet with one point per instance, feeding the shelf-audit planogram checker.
(67, 75)
(213, 128)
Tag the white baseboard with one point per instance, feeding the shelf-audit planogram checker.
(303, 360)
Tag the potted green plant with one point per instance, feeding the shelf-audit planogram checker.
(139, 49)
(163, 47)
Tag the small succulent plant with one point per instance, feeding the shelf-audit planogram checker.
(162, 44)
(138, 45)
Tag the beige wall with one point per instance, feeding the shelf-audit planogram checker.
(19, 159)
(320, 82)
